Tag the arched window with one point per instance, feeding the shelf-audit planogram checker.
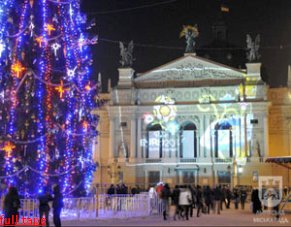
(154, 141)
(223, 140)
(188, 140)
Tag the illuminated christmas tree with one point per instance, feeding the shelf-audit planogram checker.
(46, 124)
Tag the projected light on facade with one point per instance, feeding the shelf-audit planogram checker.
(166, 111)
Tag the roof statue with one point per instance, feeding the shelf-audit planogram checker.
(190, 33)
(126, 54)
(253, 48)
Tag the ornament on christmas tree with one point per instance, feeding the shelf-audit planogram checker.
(49, 28)
(31, 26)
(61, 89)
(8, 148)
(88, 87)
(40, 40)
(17, 69)
(71, 72)
(55, 47)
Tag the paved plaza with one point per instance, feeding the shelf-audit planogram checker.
(226, 218)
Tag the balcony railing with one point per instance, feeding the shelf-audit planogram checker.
(223, 160)
(188, 160)
(153, 160)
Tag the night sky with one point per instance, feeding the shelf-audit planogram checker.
(155, 31)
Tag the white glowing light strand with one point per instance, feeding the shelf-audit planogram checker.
(71, 12)
(2, 47)
(55, 47)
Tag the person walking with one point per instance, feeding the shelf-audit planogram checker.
(175, 200)
(217, 198)
(257, 205)
(58, 204)
(228, 196)
(243, 197)
(165, 196)
(208, 198)
(153, 199)
(223, 197)
(236, 198)
(199, 201)
(11, 205)
(193, 199)
(44, 207)
(185, 201)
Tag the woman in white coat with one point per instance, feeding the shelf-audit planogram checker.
(185, 200)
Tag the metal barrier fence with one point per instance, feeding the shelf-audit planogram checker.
(103, 206)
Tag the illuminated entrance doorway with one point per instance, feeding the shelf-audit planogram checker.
(153, 178)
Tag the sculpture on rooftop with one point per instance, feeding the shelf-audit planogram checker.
(190, 33)
(253, 48)
(126, 54)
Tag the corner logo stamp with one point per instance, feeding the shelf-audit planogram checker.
(270, 190)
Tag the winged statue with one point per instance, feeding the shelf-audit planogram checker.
(190, 33)
(126, 54)
(253, 48)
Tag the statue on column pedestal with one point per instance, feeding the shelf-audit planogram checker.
(253, 48)
(126, 54)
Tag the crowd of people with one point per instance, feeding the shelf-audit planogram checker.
(12, 204)
(185, 198)
(122, 189)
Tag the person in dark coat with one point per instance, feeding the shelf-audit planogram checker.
(11, 204)
(236, 198)
(199, 201)
(217, 198)
(193, 198)
(111, 190)
(175, 200)
(257, 205)
(165, 196)
(243, 198)
(44, 207)
(208, 198)
(58, 204)
(228, 197)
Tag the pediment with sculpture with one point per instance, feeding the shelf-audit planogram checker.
(190, 68)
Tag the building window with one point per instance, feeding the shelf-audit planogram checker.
(223, 140)
(123, 124)
(154, 141)
(188, 141)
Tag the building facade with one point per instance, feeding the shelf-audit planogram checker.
(280, 128)
(190, 121)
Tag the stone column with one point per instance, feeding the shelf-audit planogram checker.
(203, 128)
(111, 155)
(139, 142)
(266, 136)
(132, 154)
